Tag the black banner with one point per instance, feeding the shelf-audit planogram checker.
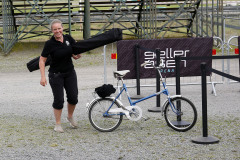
(169, 49)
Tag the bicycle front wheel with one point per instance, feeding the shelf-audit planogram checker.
(180, 114)
(104, 122)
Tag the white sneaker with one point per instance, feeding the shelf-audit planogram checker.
(58, 128)
(73, 124)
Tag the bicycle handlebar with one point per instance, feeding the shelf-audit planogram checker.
(149, 62)
(145, 63)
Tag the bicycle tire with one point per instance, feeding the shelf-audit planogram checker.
(98, 120)
(187, 118)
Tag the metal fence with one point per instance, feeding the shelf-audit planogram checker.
(233, 64)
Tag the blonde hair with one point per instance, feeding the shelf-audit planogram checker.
(55, 21)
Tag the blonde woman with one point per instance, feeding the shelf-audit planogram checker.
(61, 73)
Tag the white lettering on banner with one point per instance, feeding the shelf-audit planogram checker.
(168, 58)
(149, 56)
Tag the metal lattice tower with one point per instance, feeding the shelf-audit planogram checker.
(9, 28)
(148, 19)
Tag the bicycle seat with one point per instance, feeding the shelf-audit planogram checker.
(120, 73)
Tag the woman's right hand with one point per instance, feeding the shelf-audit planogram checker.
(43, 81)
(42, 62)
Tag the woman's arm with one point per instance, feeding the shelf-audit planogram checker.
(42, 62)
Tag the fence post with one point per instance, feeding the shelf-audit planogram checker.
(177, 60)
(178, 121)
(158, 99)
(137, 69)
(205, 139)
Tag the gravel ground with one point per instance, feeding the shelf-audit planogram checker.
(27, 121)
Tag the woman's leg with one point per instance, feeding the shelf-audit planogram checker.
(71, 87)
(57, 114)
(71, 109)
(57, 83)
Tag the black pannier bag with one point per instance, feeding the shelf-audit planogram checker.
(105, 90)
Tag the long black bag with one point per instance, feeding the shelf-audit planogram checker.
(34, 63)
(82, 46)
(107, 37)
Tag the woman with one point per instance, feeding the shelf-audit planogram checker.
(61, 72)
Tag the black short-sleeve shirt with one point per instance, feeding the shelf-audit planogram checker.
(61, 54)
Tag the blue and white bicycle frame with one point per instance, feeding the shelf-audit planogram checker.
(123, 110)
(133, 103)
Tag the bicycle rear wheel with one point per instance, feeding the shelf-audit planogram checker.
(101, 122)
(182, 116)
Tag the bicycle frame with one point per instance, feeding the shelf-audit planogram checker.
(133, 103)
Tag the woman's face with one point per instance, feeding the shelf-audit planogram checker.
(57, 30)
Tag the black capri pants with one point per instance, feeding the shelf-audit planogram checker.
(61, 81)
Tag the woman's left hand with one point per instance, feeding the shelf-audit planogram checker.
(76, 56)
